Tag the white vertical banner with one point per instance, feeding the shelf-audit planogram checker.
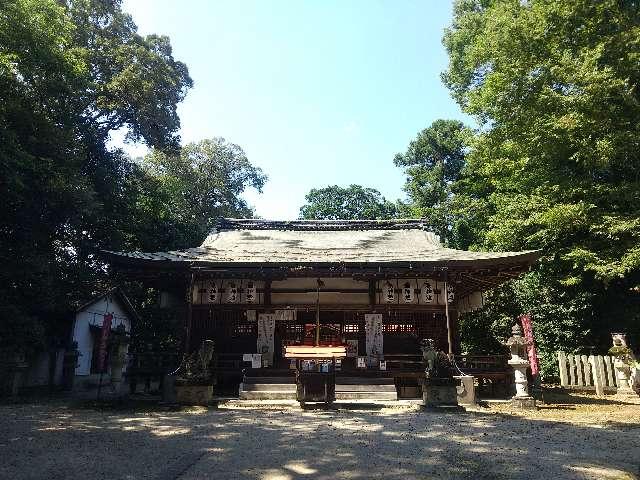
(374, 338)
(266, 329)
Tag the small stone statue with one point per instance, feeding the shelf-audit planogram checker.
(195, 367)
(429, 355)
(437, 363)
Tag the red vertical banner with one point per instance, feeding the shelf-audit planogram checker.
(104, 337)
(527, 328)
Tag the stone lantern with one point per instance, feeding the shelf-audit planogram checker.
(518, 347)
(119, 349)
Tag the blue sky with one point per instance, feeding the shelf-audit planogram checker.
(317, 93)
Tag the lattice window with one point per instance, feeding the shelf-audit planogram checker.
(242, 328)
(351, 328)
(399, 328)
(294, 328)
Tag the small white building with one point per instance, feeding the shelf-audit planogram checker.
(87, 326)
(46, 368)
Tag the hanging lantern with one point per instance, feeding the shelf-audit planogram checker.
(389, 293)
(427, 293)
(407, 293)
(250, 295)
(212, 292)
(450, 293)
(232, 294)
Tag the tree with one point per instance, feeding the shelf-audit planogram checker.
(346, 203)
(433, 162)
(555, 86)
(201, 183)
(70, 73)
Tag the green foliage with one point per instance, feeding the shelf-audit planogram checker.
(433, 162)
(562, 319)
(70, 73)
(201, 183)
(346, 203)
(556, 166)
(20, 334)
(556, 84)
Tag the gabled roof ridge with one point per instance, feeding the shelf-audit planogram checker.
(319, 225)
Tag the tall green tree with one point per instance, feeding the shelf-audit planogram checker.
(71, 72)
(556, 89)
(346, 203)
(433, 162)
(201, 183)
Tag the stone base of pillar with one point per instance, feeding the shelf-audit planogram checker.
(626, 394)
(466, 390)
(524, 403)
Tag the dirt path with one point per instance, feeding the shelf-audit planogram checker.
(563, 440)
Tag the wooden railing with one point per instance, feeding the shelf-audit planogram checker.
(493, 374)
(593, 372)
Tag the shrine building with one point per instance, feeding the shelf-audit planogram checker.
(376, 287)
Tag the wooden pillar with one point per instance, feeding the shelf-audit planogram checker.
(187, 341)
(446, 311)
(372, 294)
(267, 293)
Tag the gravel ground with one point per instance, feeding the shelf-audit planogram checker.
(571, 437)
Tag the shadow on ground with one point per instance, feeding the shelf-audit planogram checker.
(55, 440)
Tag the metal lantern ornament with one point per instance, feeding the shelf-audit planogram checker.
(212, 292)
(427, 293)
(232, 295)
(251, 292)
(407, 293)
(389, 293)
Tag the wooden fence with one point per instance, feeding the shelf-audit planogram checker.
(592, 372)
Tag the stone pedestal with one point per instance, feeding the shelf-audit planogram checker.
(521, 399)
(439, 392)
(524, 403)
(194, 394)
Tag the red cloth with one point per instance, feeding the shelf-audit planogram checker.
(104, 337)
(527, 328)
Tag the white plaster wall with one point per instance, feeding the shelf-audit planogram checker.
(93, 314)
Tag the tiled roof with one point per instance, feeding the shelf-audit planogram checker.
(252, 242)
